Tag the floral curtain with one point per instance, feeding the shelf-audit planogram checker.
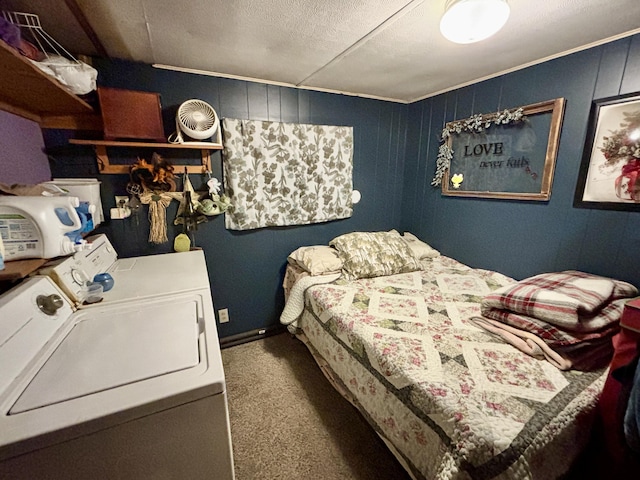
(280, 174)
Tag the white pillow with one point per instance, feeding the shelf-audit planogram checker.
(420, 249)
(317, 259)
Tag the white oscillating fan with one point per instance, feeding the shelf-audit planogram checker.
(196, 119)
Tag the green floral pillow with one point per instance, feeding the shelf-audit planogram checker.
(374, 254)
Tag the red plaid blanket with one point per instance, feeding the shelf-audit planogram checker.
(566, 317)
(573, 301)
(562, 307)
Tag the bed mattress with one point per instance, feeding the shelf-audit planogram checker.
(451, 400)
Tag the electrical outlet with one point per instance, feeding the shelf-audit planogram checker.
(122, 201)
(121, 209)
(223, 315)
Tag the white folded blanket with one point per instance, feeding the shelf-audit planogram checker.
(528, 342)
(295, 303)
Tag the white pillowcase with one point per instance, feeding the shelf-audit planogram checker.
(317, 259)
(420, 249)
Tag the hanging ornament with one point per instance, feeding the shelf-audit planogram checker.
(189, 206)
(153, 182)
(158, 203)
(214, 185)
(215, 203)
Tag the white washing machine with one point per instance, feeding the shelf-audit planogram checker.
(134, 278)
(126, 390)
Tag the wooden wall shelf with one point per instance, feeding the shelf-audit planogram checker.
(106, 167)
(28, 92)
(18, 269)
(126, 143)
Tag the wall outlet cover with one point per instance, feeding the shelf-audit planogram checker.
(121, 201)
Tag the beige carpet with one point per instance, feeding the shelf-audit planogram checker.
(287, 421)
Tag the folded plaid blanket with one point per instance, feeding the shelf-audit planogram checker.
(555, 336)
(567, 318)
(572, 301)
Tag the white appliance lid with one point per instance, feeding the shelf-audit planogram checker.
(106, 350)
(157, 275)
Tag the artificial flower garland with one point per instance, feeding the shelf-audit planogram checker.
(475, 124)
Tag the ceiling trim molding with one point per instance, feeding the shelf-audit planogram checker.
(530, 64)
(272, 82)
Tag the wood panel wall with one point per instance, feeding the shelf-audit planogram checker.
(395, 150)
(246, 268)
(521, 238)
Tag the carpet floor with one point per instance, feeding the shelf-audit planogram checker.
(287, 421)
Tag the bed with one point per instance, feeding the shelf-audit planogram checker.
(450, 399)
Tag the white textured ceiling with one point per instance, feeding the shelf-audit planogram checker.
(388, 49)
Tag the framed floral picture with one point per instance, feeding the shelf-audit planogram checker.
(609, 175)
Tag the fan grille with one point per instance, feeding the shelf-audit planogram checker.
(197, 119)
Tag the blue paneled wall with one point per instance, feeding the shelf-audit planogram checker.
(395, 150)
(246, 268)
(521, 238)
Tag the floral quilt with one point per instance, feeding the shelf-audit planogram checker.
(451, 400)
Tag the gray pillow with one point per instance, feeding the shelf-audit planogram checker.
(374, 254)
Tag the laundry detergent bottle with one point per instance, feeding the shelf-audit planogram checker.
(1, 254)
(37, 227)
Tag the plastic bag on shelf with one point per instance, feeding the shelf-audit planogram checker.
(47, 54)
(79, 77)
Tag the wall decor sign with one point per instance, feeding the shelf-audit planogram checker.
(610, 171)
(509, 154)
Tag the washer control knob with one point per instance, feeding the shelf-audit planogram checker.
(49, 304)
(77, 276)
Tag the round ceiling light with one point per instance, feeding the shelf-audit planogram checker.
(468, 21)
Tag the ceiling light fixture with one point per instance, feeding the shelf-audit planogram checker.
(468, 21)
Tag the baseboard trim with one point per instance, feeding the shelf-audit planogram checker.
(251, 335)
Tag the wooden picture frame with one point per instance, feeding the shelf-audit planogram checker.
(505, 159)
(131, 114)
(609, 176)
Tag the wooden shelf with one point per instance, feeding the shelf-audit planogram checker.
(118, 143)
(28, 92)
(18, 269)
(106, 167)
